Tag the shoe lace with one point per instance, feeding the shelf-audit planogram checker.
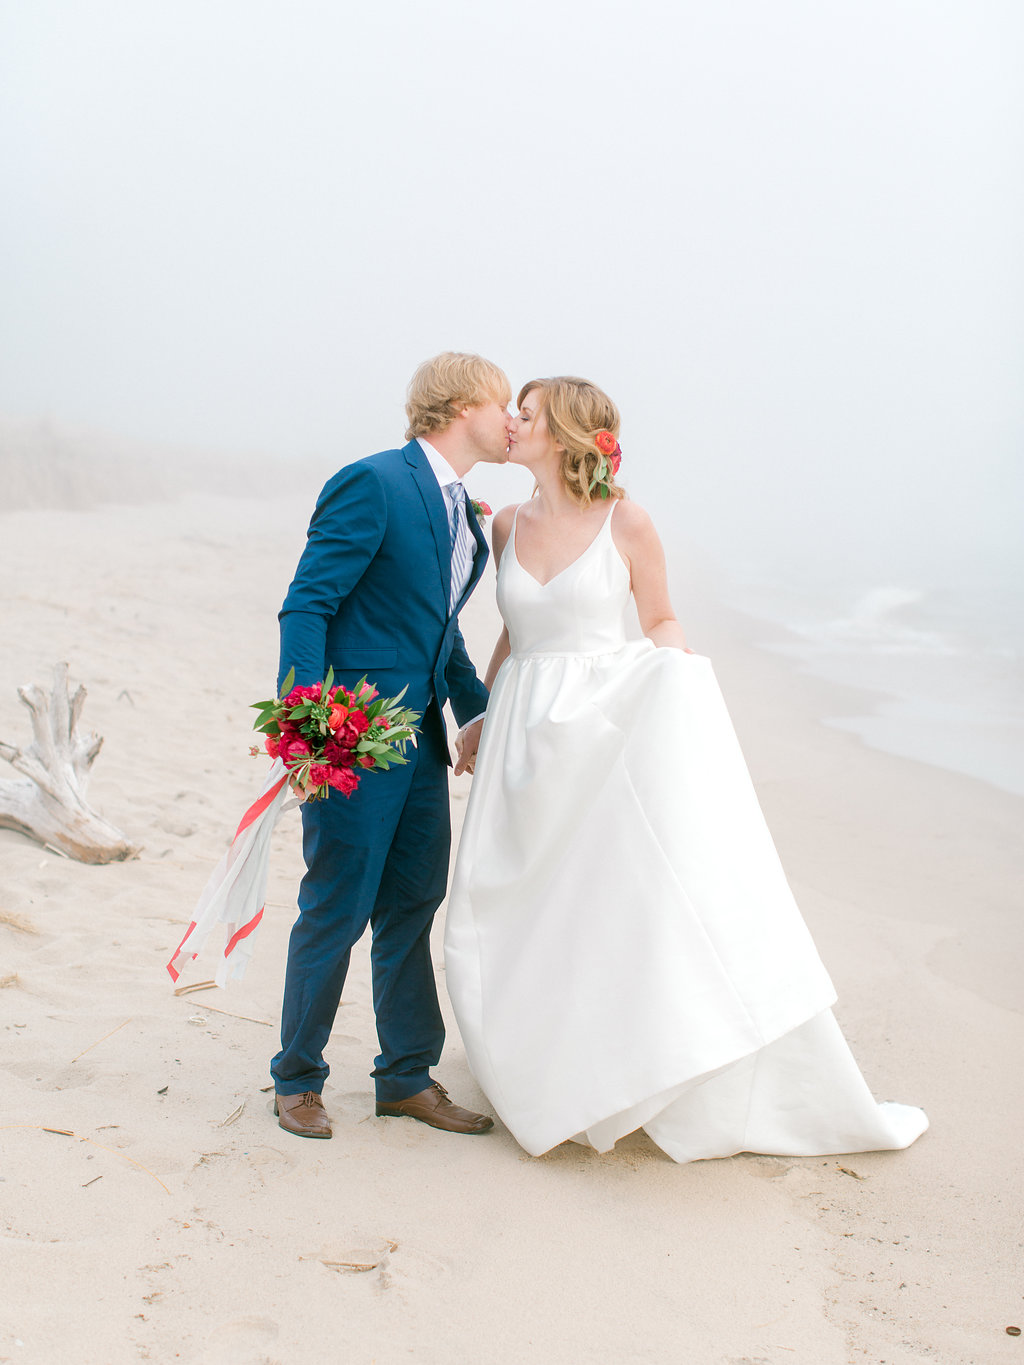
(310, 1099)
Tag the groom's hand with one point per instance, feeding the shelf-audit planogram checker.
(467, 741)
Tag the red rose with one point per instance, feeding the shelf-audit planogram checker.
(366, 761)
(337, 717)
(615, 459)
(605, 442)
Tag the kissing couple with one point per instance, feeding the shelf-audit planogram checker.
(622, 949)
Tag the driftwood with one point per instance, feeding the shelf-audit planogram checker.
(49, 803)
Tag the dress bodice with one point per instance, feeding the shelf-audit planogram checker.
(579, 611)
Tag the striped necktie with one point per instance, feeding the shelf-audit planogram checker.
(463, 544)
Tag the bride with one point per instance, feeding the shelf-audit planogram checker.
(622, 947)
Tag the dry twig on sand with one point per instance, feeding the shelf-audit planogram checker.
(67, 1132)
(100, 1040)
(232, 1015)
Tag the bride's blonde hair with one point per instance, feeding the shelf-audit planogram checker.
(576, 411)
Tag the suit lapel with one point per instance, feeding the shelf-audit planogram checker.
(437, 513)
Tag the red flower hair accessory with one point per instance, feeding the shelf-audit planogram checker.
(608, 466)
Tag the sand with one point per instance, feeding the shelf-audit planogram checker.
(171, 1219)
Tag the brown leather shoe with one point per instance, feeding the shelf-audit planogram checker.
(303, 1115)
(434, 1107)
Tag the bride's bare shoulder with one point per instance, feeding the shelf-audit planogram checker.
(635, 535)
(501, 529)
(632, 522)
(504, 518)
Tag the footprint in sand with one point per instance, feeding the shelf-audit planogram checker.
(240, 1170)
(242, 1341)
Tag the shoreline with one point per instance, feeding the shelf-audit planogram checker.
(907, 876)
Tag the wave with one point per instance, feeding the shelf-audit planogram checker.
(877, 621)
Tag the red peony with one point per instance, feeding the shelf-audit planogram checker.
(606, 442)
(366, 761)
(343, 780)
(337, 754)
(358, 719)
(319, 774)
(293, 750)
(348, 735)
(272, 744)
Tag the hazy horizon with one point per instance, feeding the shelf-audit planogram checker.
(785, 239)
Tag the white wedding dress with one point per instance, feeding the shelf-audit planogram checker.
(622, 948)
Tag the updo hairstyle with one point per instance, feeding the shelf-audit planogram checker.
(576, 411)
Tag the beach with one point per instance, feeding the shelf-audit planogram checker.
(153, 1209)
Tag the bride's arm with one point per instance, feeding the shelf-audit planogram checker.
(638, 542)
(501, 529)
(467, 741)
(502, 650)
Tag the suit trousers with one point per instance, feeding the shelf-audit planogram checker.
(379, 857)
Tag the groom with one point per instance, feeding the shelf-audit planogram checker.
(393, 551)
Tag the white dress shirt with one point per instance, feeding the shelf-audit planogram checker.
(445, 475)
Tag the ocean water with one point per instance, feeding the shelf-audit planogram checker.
(945, 662)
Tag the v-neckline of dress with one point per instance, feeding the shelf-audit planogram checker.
(572, 563)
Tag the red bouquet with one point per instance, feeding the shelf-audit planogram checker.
(328, 736)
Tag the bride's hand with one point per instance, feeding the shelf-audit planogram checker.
(467, 741)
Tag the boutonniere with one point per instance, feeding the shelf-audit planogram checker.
(480, 510)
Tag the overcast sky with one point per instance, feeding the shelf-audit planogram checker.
(785, 236)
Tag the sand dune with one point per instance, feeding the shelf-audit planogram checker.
(154, 1211)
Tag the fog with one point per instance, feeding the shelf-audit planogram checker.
(785, 237)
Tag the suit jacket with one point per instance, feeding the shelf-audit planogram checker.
(371, 591)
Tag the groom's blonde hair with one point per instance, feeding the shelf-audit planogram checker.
(447, 383)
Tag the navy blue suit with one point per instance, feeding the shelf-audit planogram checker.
(370, 597)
